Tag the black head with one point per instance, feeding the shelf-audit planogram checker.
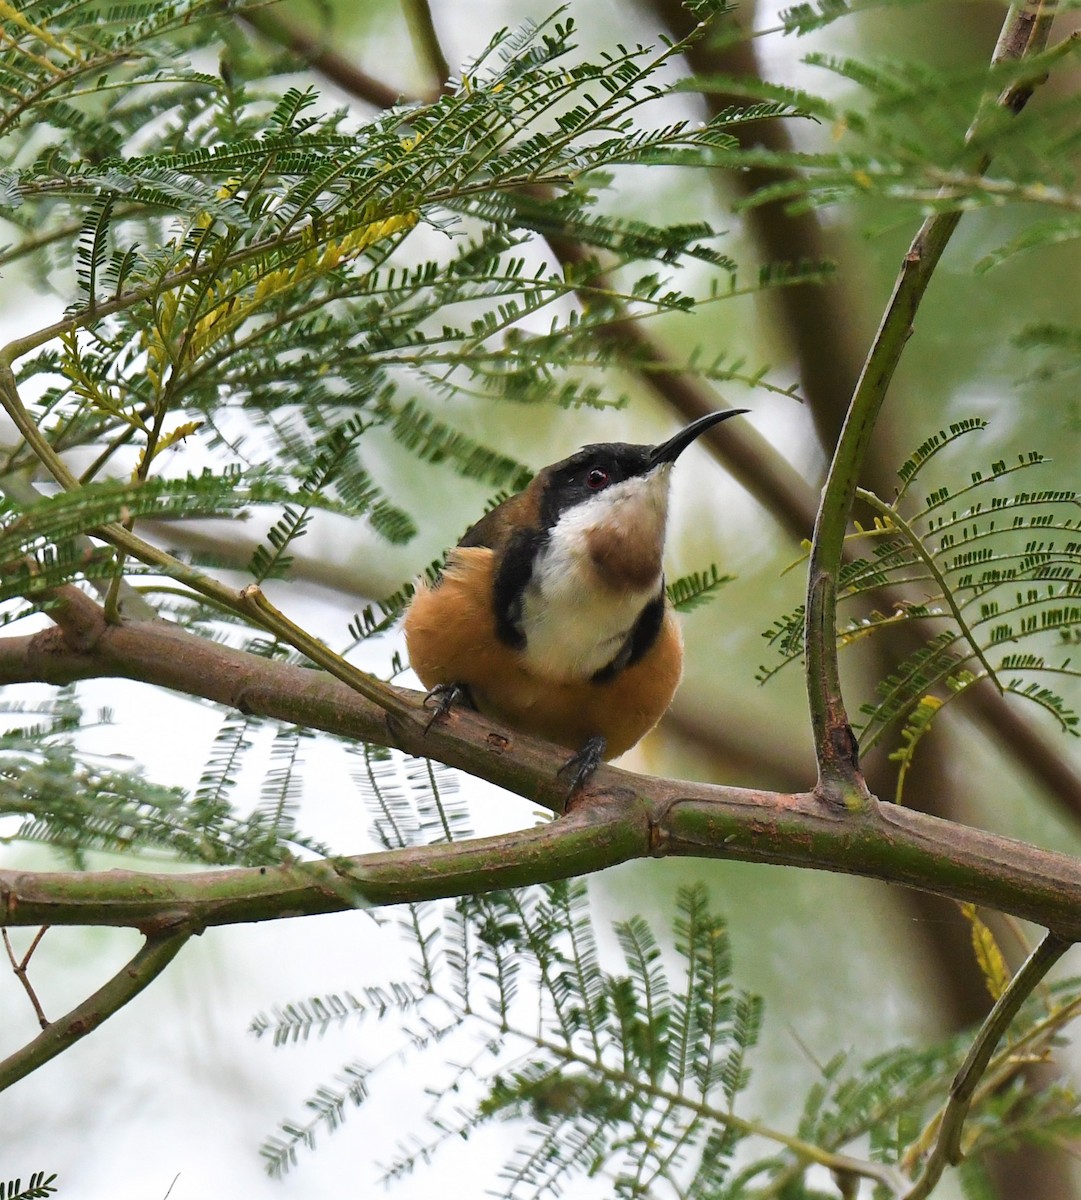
(595, 468)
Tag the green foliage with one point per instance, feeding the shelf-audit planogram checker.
(263, 283)
(41, 540)
(636, 1075)
(992, 574)
(903, 135)
(38, 1186)
(411, 801)
(245, 277)
(636, 1070)
(692, 591)
(258, 291)
(70, 801)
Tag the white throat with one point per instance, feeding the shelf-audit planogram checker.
(575, 620)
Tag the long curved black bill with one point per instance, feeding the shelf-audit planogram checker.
(669, 451)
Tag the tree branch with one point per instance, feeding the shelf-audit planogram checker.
(620, 815)
(1025, 30)
(156, 953)
(818, 323)
(317, 55)
(947, 1149)
(418, 15)
(19, 966)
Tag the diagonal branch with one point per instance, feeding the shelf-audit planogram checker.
(947, 1149)
(156, 953)
(429, 50)
(317, 54)
(1025, 31)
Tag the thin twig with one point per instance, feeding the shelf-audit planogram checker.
(806, 1152)
(947, 1148)
(19, 967)
(156, 953)
(928, 560)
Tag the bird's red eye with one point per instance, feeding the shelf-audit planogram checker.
(596, 479)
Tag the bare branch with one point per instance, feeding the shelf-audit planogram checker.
(317, 55)
(156, 953)
(19, 966)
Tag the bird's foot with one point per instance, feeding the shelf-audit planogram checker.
(443, 697)
(582, 765)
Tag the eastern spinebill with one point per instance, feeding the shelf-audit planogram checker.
(551, 615)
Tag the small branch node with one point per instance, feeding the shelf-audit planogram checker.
(79, 618)
(19, 967)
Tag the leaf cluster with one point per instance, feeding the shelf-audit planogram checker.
(633, 1077)
(902, 133)
(618, 1062)
(69, 799)
(282, 286)
(990, 573)
(38, 1187)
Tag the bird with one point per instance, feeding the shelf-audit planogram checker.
(551, 616)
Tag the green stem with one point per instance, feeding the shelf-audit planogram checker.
(947, 1148)
(253, 603)
(418, 16)
(839, 777)
(914, 540)
(807, 1152)
(156, 953)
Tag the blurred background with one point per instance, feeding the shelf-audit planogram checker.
(174, 1095)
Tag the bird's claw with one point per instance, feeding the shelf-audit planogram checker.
(581, 766)
(442, 698)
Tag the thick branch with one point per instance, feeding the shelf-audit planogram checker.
(621, 816)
